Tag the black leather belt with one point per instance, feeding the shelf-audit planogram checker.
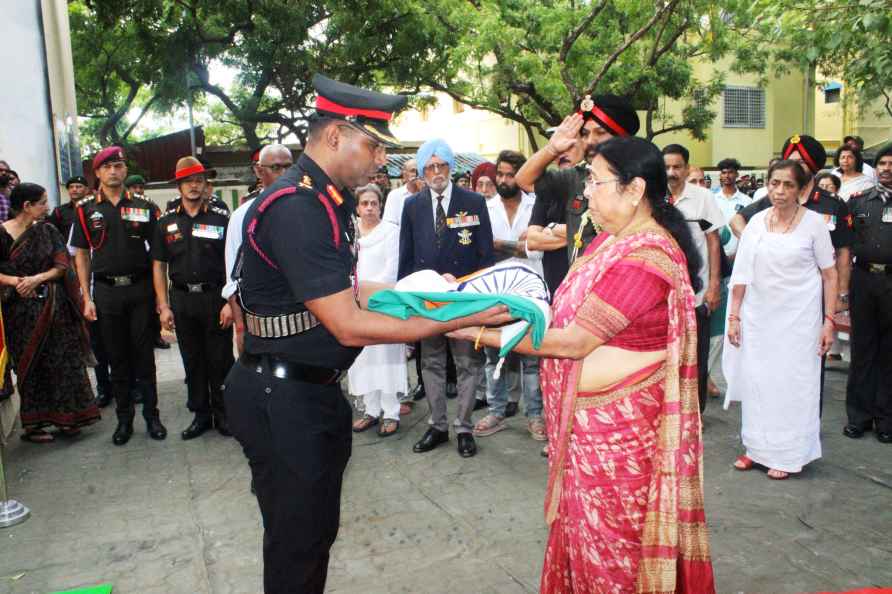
(875, 268)
(124, 280)
(289, 370)
(196, 287)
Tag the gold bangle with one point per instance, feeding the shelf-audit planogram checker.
(479, 336)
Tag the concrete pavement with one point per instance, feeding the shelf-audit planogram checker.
(178, 517)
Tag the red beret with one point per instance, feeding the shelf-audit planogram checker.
(484, 169)
(109, 153)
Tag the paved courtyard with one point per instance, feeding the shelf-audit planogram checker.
(178, 517)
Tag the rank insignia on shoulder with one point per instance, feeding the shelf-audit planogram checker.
(220, 211)
(816, 197)
(334, 194)
(306, 182)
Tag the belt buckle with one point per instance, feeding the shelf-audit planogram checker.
(877, 267)
(122, 281)
(195, 287)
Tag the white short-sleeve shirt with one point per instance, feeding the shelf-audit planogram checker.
(697, 203)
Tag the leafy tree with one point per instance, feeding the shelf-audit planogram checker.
(848, 39)
(532, 61)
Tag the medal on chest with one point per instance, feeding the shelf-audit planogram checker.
(135, 215)
(207, 231)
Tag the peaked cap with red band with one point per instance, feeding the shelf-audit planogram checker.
(189, 166)
(614, 114)
(812, 152)
(369, 111)
(107, 155)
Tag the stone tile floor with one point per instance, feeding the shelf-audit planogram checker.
(178, 517)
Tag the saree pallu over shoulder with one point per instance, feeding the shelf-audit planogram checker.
(674, 549)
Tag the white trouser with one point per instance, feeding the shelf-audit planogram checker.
(378, 403)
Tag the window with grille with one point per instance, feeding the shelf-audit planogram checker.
(744, 107)
(701, 100)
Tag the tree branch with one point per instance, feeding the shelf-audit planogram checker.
(145, 110)
(667, 7)
(568, 43)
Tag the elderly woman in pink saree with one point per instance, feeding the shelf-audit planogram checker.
(624, 502)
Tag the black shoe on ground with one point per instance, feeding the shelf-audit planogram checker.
(160, 343)
(123, 433)
(197, 428)
(854, 431)
(467, 447)
(418, 393)
(156, 429)
(451, 390)
(510, 409)
(479, 404)
(103, 398)
(431, 439)
(884, 436)
(222, 426)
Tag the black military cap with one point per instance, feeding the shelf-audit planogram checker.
(369, 111)
(614, 114)
(77, 179)
(809, 148)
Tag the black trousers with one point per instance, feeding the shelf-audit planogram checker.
(124, 314)
(297, 439)
(702, 354)
(206, 349)
(869, 388)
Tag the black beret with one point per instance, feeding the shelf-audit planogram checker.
(77, 179)
(811, 151)
(614, 114)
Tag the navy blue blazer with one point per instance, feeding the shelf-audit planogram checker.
(464, 249)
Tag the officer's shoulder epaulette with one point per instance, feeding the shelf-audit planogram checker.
(86, 200)
(219, 211)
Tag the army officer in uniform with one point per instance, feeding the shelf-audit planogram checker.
(110, 234)
(304, 327)
(190, 240)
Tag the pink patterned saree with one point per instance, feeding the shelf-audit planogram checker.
(625, 494)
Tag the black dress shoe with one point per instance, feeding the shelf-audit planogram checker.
(884, 436)
(155, 429)
(854, 431)
(418, 393)
(431, 439)
(510, 409)
(467, 447)
(197, 428)
(123, 433)
(478, 404)
(222, 426)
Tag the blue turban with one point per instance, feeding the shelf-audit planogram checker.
(437, 147)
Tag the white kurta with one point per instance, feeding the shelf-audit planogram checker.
(380, 367)
(776, 371)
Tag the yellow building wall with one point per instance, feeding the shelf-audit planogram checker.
(786, 102)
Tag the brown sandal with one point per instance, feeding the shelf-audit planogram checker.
(743, 463)
(364, 424)
(388, 427)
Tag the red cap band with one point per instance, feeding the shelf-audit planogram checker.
(803, 153)
(189, 171)
(608, 121)
(330, 106)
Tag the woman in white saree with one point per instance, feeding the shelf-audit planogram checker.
(783, 282)
(379, 373)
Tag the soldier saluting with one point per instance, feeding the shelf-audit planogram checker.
(301, 302)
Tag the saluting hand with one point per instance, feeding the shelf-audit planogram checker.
(566, 135)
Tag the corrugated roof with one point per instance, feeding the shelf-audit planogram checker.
(464, 163)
